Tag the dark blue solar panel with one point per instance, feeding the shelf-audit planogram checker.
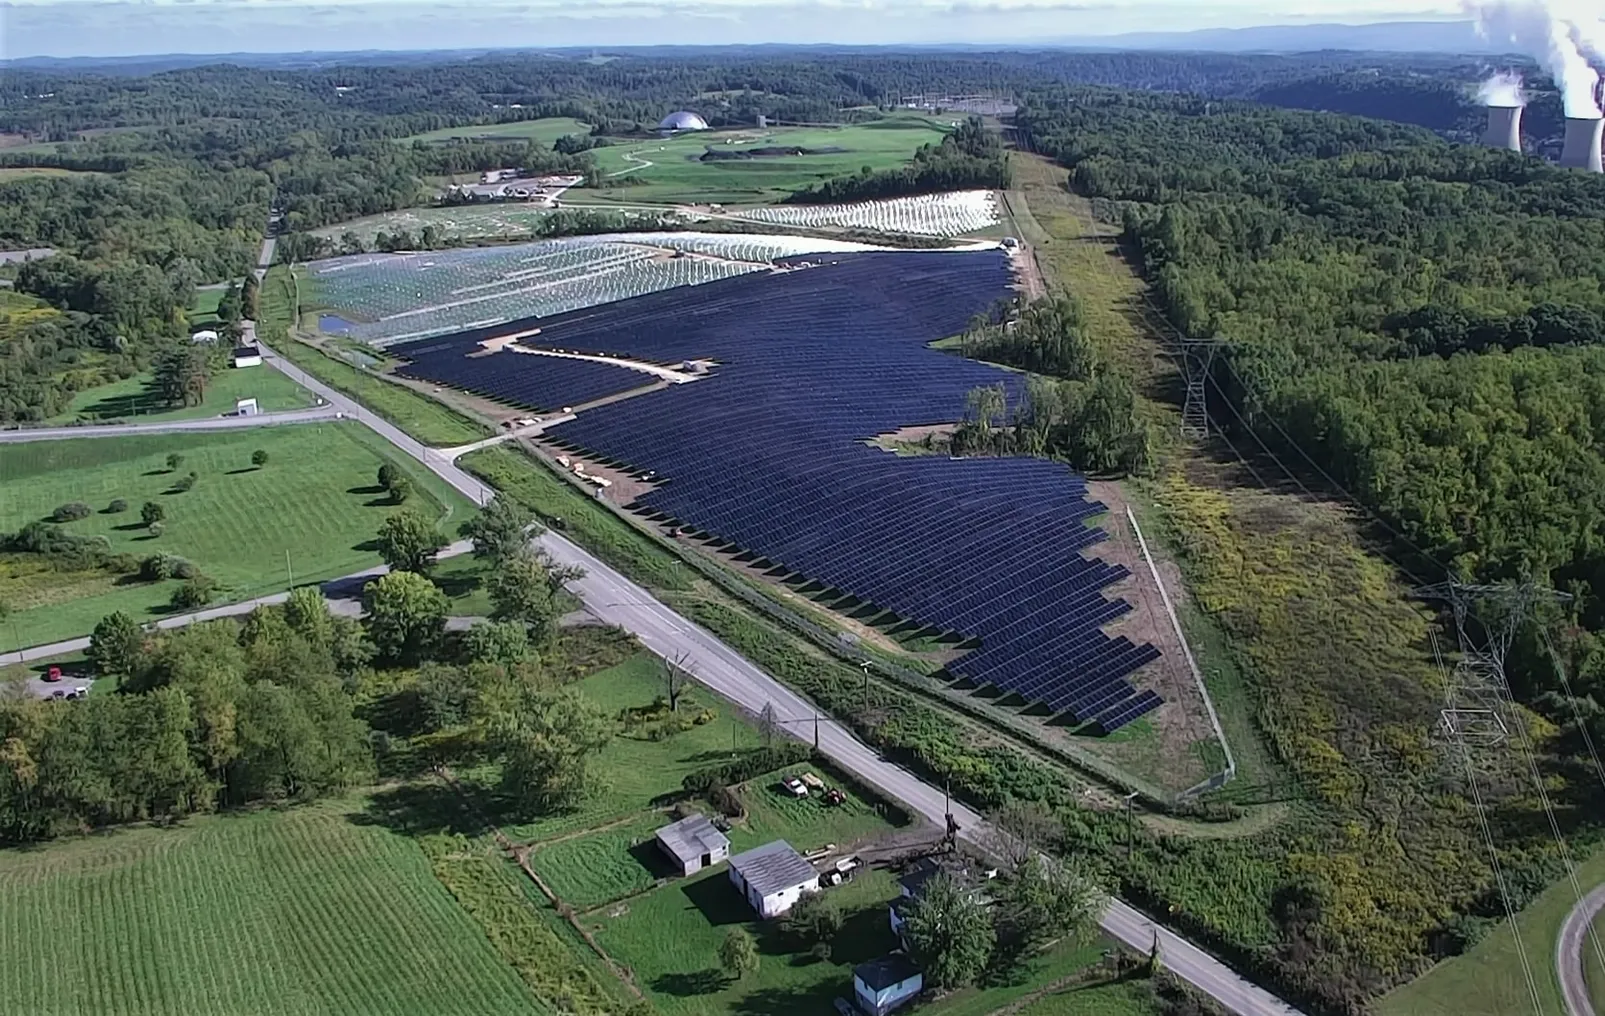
(768, 453)
(545, 383)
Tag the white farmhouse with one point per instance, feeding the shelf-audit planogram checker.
(773, 877)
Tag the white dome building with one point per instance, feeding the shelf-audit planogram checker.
(683, 121)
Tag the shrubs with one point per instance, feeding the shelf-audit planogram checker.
(117, 507)
(155, 530)
(195, 593)
(184, 483)
(152, 512)
(72, 511)
(158, 567)
(259, 458)
(753, 763)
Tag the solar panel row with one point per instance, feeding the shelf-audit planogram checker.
(769, 454)
(545, 383)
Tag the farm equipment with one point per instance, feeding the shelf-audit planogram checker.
(834, 797)
(813, 781)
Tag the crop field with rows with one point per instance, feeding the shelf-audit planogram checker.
(277, 913)
(952, 214)
(388, 298)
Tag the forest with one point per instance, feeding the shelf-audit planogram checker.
(1415, 324)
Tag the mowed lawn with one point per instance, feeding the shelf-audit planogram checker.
(1488, 981)
(679, 176)
(311, 513)
(136, 398)
(635, 769)
(546, 131)
(278, 913)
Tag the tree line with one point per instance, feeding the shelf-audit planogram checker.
(1422, 320)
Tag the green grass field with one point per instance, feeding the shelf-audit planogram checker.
(304, 912)
(417, 414)
(1128, 998)
(545, 131)
(136, 398)
(677, 176)
(1488, 981)
(204, 310)
(315, 500)
(637, 769)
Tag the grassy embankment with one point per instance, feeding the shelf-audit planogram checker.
(313, 509)
(417, 414)
(1490, 981)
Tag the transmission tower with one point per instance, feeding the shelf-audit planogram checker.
(1198, 357)
(1477, 695)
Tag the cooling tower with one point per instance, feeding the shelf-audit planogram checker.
(1583, 138)
(1504, 128)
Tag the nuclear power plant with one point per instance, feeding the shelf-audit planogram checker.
(1583, 141)
(1504, 128)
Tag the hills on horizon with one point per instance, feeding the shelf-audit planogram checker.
(1438, 37)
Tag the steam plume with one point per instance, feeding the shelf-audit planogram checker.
(1502, 90)
(1559, 34)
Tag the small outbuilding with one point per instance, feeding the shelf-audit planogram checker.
(693, 844)
(773, 877)
(882, 985)
(247, 356)
(204, 335)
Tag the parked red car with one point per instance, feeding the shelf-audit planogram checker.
(53, 674)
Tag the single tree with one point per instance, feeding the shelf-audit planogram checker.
(544, 741)
(676, 676)
(1023, 830)
(408, 541)
(155, 529)
(738, 953)
(949, 933)
(174, 460)
(500, 531)
(400, 490)
(117, 506)
(115, 644)
(184, 483)
(1042, 900)
(768, 724)
(387, 475)
(405, 615)
(250, 296)
(152, 512)
(815, 920)
(195, 593)
(182, 373)
(230, 306)
(524, 588)
(307, 614)
(259, 458)
(501, 642)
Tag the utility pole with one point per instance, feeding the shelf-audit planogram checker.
(288, 573)
(865, 666)
(1129, 799)
(816, 729)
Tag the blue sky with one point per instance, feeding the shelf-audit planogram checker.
(101, 28)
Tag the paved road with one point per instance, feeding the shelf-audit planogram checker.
(1574, 944)
(616, 600)
(170, 427)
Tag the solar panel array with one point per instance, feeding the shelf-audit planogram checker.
(768, 454)
(543, 383)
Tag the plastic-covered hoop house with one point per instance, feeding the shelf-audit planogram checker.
(683, 121)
